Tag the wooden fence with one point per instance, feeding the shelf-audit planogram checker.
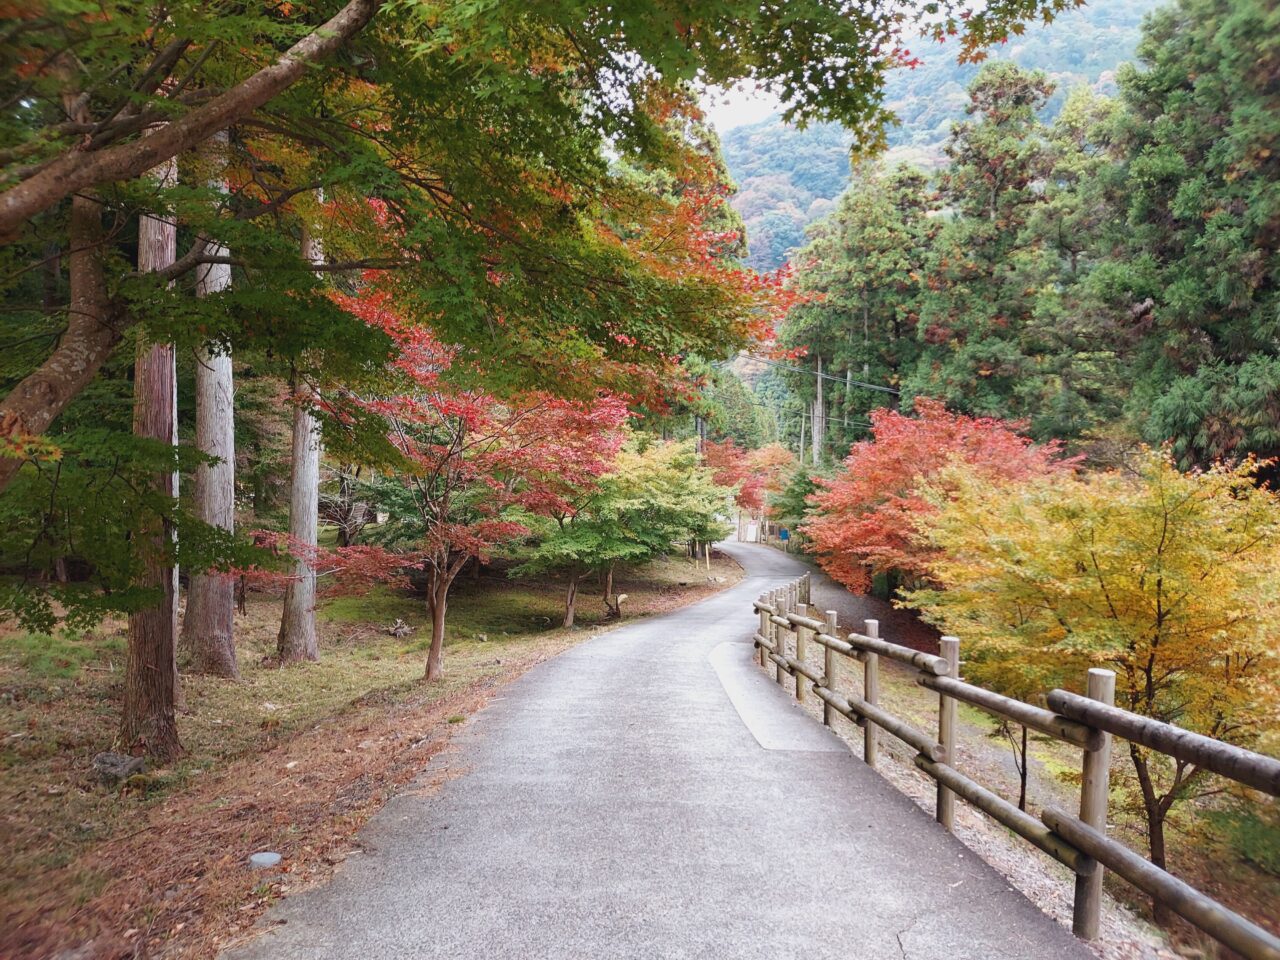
(789, 625)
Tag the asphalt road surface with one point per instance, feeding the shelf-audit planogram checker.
(650, 794)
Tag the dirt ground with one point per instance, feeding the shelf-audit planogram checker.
(287, 760)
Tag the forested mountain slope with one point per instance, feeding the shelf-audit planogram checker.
(787, 177)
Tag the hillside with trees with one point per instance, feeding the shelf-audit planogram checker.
(1107, 275)
(1074, 467)
(789, 177)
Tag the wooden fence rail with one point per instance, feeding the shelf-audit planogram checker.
(788, 624)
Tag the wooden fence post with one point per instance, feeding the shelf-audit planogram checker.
(806, 589)
(770, 599)
(784, 604)
(871, 694)
(776, 603)
(802, 648)
(764, 630)
(1095, 785)
(831, 620)
(946, 803)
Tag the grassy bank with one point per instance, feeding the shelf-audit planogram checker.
(291, 760)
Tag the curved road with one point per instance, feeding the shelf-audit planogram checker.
(649, 794)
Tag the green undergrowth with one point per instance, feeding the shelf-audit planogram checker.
(59, 656)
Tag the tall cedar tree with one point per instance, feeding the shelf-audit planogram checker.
(862, 274)
(1202, 266)
(981, 347)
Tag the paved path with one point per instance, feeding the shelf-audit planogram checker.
(651, 794)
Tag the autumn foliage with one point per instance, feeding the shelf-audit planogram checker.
(865, 516)
(753, 473)
(465, 465)
(1170, 579)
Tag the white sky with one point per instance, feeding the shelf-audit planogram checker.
(738, 105)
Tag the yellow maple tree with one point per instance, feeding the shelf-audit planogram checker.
(1170, 579)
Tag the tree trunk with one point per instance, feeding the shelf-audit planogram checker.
(1022, 774)
(1155, 836)
(151, 675)
(92, 333)
(570, 600)
(207, 628)
(438, 602)
(1156, 812)
(611, 600)
(298, 640)
(150, 682)
(346, 506)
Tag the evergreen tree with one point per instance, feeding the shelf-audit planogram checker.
(1202, 269)
(1076, 228)
(982, 348)
(861, 273)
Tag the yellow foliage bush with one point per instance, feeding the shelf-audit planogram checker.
(1170, 579)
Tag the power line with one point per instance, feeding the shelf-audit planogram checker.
(828, 418)
(825, 376)
(802, 412)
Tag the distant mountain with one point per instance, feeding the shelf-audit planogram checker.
(787, 177)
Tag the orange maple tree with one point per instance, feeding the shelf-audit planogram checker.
(755, 473)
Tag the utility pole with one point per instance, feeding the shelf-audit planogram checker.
(818, 432)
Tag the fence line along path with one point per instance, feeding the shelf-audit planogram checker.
(620, 802)
(788, 625)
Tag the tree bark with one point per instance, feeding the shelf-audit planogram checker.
(92, 333)
(298, 640)
(1156, 812)
(208, 627)
(438, 601)
(1155, 834)
(610, 598)
(346, 507)
(1022, 773)
(570, 600)
(79, 170)
(151, 673)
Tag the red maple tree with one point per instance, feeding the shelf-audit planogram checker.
(466, 461)
(863, 522)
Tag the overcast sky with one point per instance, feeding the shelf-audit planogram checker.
(740, 105)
